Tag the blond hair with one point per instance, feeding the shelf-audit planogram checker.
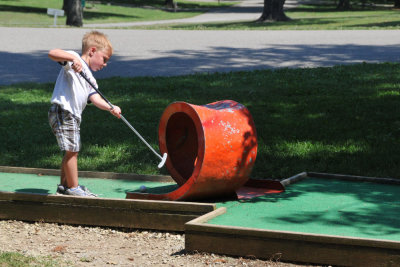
(96, 39)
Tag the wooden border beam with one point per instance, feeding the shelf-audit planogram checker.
(138, 214)
(90, 174)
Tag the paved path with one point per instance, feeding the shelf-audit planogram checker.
(246, 10)
(24, 51)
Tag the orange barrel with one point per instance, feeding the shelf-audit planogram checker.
(211, 149)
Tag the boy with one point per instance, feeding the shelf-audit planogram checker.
(70, 96)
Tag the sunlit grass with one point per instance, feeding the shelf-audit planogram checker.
(307, 17)
(13, 259)
(342, 119)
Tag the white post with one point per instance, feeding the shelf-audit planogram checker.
(55, 13)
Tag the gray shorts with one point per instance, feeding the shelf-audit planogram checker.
(65, 127)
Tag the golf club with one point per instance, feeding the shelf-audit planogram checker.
(163, 158)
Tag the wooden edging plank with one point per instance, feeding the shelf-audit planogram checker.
(290, 246)
(193, 207)
(294, 179)
(208, 216)
(90, 174)
(140, 214)
(355, 178)
(304, 175)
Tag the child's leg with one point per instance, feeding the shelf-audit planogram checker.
(63, 180)
(65, 126)
(69, 170)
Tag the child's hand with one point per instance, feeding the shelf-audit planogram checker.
(76, 65)
(116, 111)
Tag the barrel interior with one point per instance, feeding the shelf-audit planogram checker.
(182, 143)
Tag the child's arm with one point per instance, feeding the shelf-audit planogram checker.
(99, 102)
(60, 55)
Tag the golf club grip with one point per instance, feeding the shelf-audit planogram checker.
(96, 89)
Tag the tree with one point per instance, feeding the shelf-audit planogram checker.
(170, 4)
(74, 11)
(397, 3)
(344, 5)
(273, 11)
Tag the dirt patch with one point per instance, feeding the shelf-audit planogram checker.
(95, 246)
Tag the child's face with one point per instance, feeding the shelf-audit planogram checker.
(99, 59)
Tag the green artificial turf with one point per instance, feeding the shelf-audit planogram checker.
(107, 188)
(322, 206)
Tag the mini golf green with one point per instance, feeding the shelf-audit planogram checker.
(107, 188)
(317, 206)
(322, 206)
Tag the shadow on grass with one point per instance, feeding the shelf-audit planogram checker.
(22, 9)
(312, 8)
(295, 23)
(380, 25)
(87, 15)
(321, 8)
(158, 4)
(259, 25)
(93, 15)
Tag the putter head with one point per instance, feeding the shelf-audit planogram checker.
(164, 159)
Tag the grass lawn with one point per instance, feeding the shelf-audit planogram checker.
(34, 12)
(307, 17)
(342, 119)
(12, 259)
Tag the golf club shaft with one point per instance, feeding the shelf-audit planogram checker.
(141, 138)
(122, 117)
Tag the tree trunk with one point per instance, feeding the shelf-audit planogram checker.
(74, 12)
(396, 3)
(169, 3)
(273, 11)
(344, 5)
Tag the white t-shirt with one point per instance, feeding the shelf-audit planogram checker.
(71, 91)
